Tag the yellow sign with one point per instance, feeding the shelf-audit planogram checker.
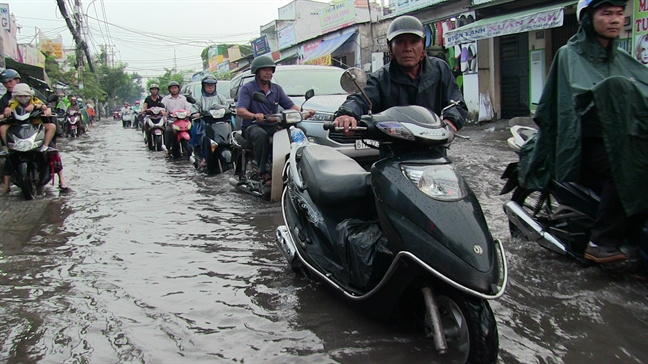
(52, 47)
(321, 61)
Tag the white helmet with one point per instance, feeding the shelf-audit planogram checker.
(584, 4)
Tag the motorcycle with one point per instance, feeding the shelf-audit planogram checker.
(408, 236)
(115, 115)
(155, 125)
(127, 118)
(560, 217)
(246, 178)
(73, 123)
(180, 144)
(218, 128)
(31, 168)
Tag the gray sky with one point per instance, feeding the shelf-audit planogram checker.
(147, 32)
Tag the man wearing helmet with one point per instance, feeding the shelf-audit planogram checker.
(584, 129)
(411, 78)
(255, 129)
(204, 101)
(172, 102)
(153, 100)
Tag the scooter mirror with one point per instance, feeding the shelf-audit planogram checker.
(353, 80)
(190, 99)
(309, 94)
(259, 97)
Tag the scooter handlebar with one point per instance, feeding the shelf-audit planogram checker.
(331, 126)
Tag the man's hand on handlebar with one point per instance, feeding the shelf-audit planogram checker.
(347, 122)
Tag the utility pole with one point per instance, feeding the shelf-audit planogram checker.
(75, 32)
(79, 50)
(175, 64)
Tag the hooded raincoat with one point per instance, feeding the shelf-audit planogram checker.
(586, 75)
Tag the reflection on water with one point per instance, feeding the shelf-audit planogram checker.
(147, 261)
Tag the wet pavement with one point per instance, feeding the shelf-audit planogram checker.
(146, 261)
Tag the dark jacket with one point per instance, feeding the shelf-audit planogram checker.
(391, 86)
(585, 75)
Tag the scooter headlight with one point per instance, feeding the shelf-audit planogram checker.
(176, 128)
(217, 114)
(292, 116)
(439, 181)
(395, 129)
(181, 114)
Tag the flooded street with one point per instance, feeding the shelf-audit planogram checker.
(146, 261)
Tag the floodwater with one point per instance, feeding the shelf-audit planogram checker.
(146, 261)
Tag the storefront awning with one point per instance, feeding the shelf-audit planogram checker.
(328, 46)
(524, 21)
(33, 75)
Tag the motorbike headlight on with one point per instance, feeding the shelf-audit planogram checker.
(292, 117)
(439, 181)
(24, 145)
(217, 114)
(395, 129)
(181, 114)
(176, 128)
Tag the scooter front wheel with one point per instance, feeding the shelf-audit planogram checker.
(469, 326)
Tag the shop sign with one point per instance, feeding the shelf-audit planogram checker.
(337, 16)
(321, 61)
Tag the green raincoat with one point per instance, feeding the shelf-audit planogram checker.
(583, 75)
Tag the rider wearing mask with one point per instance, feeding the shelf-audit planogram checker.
(255, 128)
(410, 78)
(599, 145)
(137, 109)
(73, 104)
(172, 102)
(204, 101)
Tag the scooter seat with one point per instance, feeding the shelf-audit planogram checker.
(332, 177)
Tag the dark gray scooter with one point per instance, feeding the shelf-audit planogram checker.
(409, 235)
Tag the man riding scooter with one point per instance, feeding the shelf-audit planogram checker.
(594, 134)
(153, 100)
(207, 98)
(172, 102)
(255, 128)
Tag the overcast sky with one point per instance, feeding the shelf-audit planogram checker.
(147, 32)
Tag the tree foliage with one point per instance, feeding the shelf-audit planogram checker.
(163, 81)
(107, 84)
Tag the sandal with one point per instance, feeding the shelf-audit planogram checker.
(63, 187)
(266, 179)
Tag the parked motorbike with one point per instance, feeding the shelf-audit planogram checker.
(180, 144)
(560, 217)
(245, 173)
(154, 126)
(73, 123)
(408, 236)
(218, 129)
(127, 118)
(32, 168)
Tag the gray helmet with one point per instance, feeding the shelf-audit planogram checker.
(209, 80)
(154, 85)
(593, 4)
(262, 62)
(173, 83)
(405, 24)
(8, 75)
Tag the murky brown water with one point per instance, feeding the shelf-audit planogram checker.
(146, 261)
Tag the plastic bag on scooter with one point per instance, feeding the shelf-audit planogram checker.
(358, 242)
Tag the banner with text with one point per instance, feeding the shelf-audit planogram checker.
(337, 16)
(511, 25)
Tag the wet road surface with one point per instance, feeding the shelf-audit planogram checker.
(146, 261)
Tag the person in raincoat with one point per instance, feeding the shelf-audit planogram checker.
(593, 127)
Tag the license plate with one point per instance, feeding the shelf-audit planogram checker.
(361, 144)
(157, 132)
